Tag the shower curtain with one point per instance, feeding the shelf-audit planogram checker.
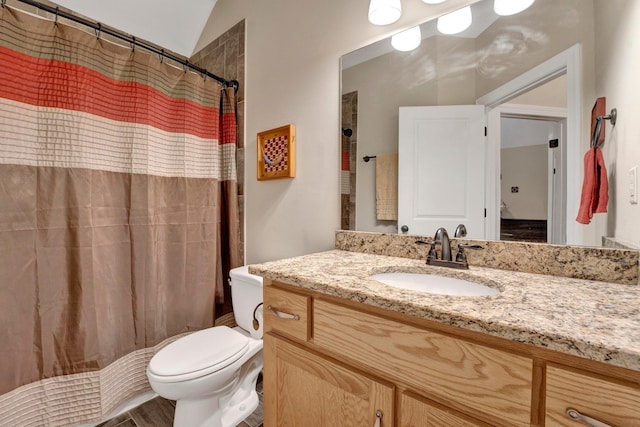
(118, 216)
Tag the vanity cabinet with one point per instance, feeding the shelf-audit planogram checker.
(613, 403)
(416, 412)
(332, 362)
(302, 388)
(481, 379)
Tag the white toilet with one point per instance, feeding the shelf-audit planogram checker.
(212, 373)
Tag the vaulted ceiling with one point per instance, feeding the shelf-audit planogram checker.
(173, 25)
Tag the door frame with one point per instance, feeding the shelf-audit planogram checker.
(534, 112)
(568, 62)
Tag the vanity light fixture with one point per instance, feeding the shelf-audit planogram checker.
(407, 40)
(384, 12)
(455, 22)
(510, 7)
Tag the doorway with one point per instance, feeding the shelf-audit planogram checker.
(567, 63)
(532, 184)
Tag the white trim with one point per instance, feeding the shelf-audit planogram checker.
(568, 62)
(532, 110)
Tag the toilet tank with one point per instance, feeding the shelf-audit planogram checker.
(246, 294)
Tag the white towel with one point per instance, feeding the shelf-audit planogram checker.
(387, 186)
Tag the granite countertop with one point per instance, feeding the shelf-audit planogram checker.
(595, 320)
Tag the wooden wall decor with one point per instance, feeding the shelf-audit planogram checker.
(277, 153)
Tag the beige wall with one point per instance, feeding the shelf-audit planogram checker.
(617, 78)
(425, 76)
(550, 94)
(292, 70)
(293, 51)
(525, 168)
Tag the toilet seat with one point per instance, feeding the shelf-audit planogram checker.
(198, 354)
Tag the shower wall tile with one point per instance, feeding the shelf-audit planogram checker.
(225, 57)
(241, 166)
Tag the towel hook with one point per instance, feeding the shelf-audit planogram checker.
(613, 116)
(597, 130)
(367, 158)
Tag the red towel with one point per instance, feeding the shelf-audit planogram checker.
(595, 186)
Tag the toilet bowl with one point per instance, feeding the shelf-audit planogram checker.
(212, 373)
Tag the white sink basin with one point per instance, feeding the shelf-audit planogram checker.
(434, 284)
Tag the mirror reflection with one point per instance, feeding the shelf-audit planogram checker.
(529, 169)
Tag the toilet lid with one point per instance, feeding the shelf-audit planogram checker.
(207, 350)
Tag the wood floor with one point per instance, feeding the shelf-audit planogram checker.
(159, 413)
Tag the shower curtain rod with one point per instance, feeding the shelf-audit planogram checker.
(98, 28)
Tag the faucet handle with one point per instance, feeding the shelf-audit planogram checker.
(461, 256)
(461, 231)
(433, 254)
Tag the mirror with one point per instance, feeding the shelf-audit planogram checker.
(472, 66)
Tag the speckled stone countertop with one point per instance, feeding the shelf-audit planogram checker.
(595, 320)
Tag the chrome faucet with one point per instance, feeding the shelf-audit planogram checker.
(442, 237)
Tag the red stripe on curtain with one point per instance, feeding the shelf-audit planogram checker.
(228, 126)
(55, 84)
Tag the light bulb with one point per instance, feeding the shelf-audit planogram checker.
(455, 22)
(407, 40)
(384, 12)
(510, 7)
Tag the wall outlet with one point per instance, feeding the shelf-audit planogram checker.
(514, 189)
(633, 185)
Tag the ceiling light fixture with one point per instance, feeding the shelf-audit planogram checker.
(384, 12)
(407, 40)
(455, 22)
(434, 1)
(510, 7)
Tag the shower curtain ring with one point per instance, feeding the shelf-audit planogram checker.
(98, 30)
(133, 43)
(3, 3)
(55, 23)
(185, 65)
(161, 55)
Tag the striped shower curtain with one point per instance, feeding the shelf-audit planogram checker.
(118, 216)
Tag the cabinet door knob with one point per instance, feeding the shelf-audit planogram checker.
(378, 418)
(282, 314)
(577, 416)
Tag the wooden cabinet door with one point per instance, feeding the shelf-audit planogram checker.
(611, 403)
(417, 412)
(304, 389)
(476, 379)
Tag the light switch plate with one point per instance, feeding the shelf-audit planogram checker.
(633, 185)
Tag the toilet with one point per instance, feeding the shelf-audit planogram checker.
(212, 373)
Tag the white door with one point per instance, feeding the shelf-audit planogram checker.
(441, 181)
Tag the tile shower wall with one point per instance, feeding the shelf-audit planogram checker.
(225, 57)
(349, 147)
